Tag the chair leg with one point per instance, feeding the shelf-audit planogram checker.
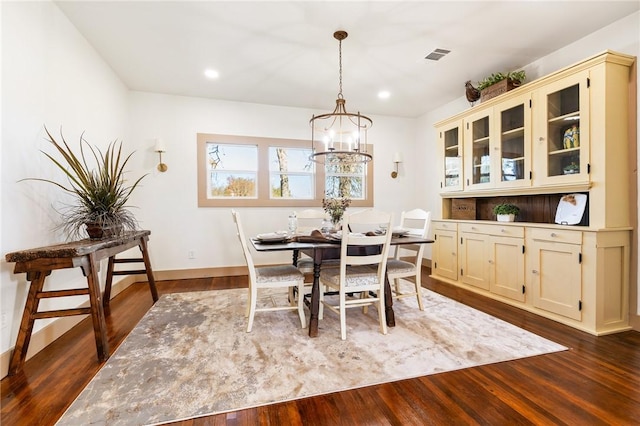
(303, 320)
(253, 296)
(381, 316)
(321, 303)
(365, 308)
(343, 316)
(419, 291)
(292, 296)
(249, 301)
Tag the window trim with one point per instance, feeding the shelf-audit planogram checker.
(263, 199)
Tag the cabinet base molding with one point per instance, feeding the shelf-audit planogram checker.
(602, 331)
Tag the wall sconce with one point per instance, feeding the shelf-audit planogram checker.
(160, 148)
(397, 158)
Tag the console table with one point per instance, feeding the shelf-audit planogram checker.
(86, 254)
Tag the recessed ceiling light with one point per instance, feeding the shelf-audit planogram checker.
(211, 73)
(384, 94)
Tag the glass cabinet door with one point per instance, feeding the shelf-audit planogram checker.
(514, 142)
(565, 136)
(451, 142)
(478, 142)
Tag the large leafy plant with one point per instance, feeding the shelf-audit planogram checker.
(99, 187)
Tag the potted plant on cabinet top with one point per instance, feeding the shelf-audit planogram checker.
(506, 212)
(100, 192)
(499, 83)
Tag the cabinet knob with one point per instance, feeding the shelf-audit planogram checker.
(473, 228)
(540, 138)
(503, 230)
(553, 235)
(453, 253)
(491, 261)
(533, 271)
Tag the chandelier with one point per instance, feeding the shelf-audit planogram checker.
(340, 136)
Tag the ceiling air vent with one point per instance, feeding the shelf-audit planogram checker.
(437, 54)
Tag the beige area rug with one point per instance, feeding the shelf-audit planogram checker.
(190, 356)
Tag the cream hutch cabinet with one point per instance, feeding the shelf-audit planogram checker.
(564, 133)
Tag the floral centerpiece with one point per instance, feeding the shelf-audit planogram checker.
(335, 207)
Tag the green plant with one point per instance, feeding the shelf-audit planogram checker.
(517, 76)
(101, 193)
(505, 208)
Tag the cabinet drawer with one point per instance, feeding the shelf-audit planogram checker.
(497, 230)
(558, 236)
(445, 226)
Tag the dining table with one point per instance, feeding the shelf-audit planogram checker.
(320, 249)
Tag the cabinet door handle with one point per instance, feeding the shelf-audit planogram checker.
(553, 235)
(533, 271)
(453, 253)
(503, 230)
(491, 261)
(540, 138)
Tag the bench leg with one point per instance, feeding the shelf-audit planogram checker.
(26, 325)
(97, 311)
(147, 267)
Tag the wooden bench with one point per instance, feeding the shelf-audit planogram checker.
(39, 262)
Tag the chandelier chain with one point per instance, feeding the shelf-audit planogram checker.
(340, 62)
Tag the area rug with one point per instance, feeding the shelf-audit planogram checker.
(190, 356)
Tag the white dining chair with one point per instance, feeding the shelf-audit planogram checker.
(361, 273)
(407, 260)
(262, 277)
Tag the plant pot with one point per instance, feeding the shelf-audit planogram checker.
(97, 231)
(506, 217)
(498, 88)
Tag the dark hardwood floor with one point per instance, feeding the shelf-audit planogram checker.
(597, 381)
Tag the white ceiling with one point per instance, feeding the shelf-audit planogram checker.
(283, 53)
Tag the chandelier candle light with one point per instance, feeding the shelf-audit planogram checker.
(340, 136)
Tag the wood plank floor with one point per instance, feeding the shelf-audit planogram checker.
(596, 382)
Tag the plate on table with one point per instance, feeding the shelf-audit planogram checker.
(399, 232)
(272, 237)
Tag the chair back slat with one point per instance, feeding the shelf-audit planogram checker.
(310, 219)
(372, 249)
(417, 222)
(245, 248)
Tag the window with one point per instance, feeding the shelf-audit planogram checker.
(237, 171)
(232, 171)
(291, 173)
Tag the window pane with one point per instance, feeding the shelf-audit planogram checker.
(232, 170)
(345, 180)
(290, 160)
(234, 185)
(292, 186)
(232, 157)
(291, 173)
(345, 186)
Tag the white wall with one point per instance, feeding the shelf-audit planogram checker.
(50, 76)
(168, 200)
